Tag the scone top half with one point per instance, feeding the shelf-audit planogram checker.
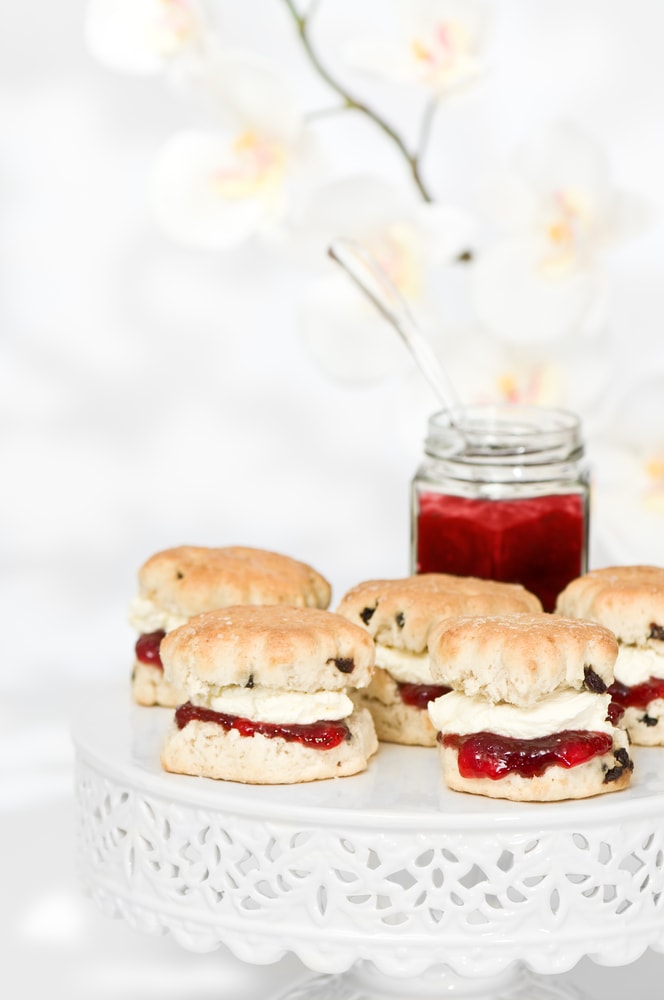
(178, 583)
(280, 648)
(400, 613)
(521, 659)
(629, 600)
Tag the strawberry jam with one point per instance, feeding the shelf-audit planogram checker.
(487, 755)
(147, 648)
(639, 695)
(615, 712)
(536, 541)
(317, 735)
(419, 695)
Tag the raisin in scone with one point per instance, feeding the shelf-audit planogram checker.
(267, 695)
(399, 614)
(629, 600)
(178, 583)
(529, 714)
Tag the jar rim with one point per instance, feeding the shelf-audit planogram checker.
(504, 433)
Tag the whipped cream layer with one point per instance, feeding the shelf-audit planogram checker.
(147, 616)
(262, 704)
(405, 667)
(637, 664)
(460, 714)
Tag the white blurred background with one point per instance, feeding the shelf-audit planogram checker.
(156, 393)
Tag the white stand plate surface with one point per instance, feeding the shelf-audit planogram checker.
(387, 871)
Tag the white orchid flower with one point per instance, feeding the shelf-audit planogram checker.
(145, 37)
(435, 43)
(628, 461)
(492, 372)
(214, 188)
(485, 370)
(410, 239)
(560, 213)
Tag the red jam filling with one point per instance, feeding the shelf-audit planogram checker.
(419, 695)
(147, 648)
(487, 755)
(639, 695)
(538, 542)
(318, 735)
(615, 712)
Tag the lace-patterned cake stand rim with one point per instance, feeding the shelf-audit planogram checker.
(387, 870)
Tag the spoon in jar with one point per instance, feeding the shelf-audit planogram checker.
(372, 279)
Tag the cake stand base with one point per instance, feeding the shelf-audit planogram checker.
(364, 982)
(415, 890)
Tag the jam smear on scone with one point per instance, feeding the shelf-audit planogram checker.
(323, 735)
(147, 648)
(638, 695)
(419, 695)
(488, 755)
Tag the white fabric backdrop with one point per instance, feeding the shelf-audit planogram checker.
(154, 395)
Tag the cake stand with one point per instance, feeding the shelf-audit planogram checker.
(385, 883)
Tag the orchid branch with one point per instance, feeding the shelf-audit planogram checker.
(352, 103)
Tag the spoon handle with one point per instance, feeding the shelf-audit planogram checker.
(365, 271)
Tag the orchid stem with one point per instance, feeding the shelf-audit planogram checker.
(302, 22)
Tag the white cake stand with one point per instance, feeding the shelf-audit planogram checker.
(386, 883)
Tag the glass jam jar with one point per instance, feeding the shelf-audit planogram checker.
(505, 498)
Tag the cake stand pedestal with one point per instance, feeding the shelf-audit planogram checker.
(364, 983)
(387, 883)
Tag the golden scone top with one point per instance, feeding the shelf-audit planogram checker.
(627, 599)
(400, 613)
(190, 579)
(293, 649)
(521, 658)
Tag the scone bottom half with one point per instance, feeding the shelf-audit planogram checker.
(268, 696)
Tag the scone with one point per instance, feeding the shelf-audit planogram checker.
(528, 717)
(398, 614)
(178, 583)
(629, 600)
(267, 695)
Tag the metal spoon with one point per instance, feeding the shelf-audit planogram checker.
(365, 271)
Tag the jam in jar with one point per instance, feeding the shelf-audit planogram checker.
(502, 494)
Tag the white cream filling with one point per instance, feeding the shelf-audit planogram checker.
(405, 667)
(637, 664)
(147, 616)
(261, 704)
(460, 714)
